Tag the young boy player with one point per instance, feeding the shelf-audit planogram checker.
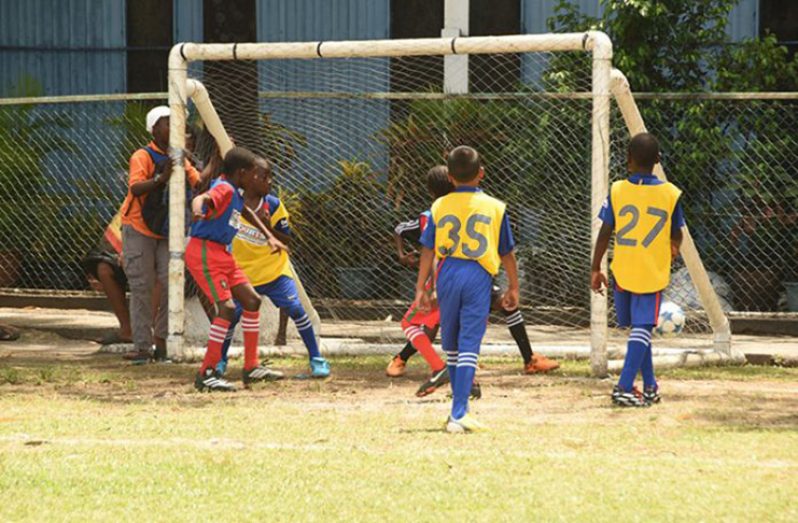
(270, 271)
(470, 233)
(420, 328)
(645, 214)
(217, 215)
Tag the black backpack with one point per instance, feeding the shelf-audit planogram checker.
(155, 208)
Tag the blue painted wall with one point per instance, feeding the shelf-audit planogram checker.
(46, 29)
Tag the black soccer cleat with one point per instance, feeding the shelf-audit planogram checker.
(436, 381)
(260, 373)
(633, 398)
(211, 381)
(476, 391)
(651, 395)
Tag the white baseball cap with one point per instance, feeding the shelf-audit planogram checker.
(156, 114)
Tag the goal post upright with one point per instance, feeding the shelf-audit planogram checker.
(592, 41)
(178, 76)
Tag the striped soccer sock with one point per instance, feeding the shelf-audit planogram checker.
(466, 369)
(515, 322)
(647, 365)
(305, 329)
(639, 342)
(423, 345)
(250, 325)
(451, 364)
(213, 353)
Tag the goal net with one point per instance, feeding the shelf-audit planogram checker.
(352, 129)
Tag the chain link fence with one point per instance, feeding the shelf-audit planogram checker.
(63, 169)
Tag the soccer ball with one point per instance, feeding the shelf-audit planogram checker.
(671, 320)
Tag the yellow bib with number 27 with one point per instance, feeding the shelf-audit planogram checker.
(468, 226)
(642, 254)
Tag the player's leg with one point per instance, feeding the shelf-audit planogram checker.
(413, 326)
(207, 269)
(280, 338)
(474, 311)
(624, 394)
(139, 254)
(417, 327)
(113, 286)
(161, 322)
(650, 387)
(533, 363)
(283, 294)
(245, 294)
(449, 306)
(221, 367)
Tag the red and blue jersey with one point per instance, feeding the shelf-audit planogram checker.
(222, 219)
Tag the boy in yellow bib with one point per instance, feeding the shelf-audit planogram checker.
(269, 271)
(470, 233)
(647, 218)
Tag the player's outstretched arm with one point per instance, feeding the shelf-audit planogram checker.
(199, 204)
(252, 218)
(425, 265)
(598, 280)
(511, 298)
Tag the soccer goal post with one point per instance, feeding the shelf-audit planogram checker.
(353, 126)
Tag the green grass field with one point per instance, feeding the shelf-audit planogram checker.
(92, 439)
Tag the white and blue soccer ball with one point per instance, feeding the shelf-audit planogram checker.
(670, 321)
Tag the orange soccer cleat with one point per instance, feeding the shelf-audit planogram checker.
(396, 368)
(539, 364)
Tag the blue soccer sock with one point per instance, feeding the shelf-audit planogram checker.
(305, 328)
(466, 369)
(639, 342)
(647, 365)
(451, 364)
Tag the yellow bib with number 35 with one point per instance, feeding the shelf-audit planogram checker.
(642, 254)
(468, 226)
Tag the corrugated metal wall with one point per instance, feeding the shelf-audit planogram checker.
(743, 21)
(351, 122)
(45, 30)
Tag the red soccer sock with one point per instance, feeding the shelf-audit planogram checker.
(418, 338)
(250, 324)
(213, 353)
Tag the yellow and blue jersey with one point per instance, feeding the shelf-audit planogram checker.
(469, 225)
(251, 249)
(644, 211)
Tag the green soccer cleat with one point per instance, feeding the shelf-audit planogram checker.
(465, 424)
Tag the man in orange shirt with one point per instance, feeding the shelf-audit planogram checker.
(146, 253)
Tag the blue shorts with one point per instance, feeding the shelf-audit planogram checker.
(636, 310)
(282, 292)
(464, 297)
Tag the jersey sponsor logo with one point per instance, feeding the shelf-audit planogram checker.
(251, 234)
(235, 219)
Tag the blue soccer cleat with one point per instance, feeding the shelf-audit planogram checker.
(319, 367)
(221, 367)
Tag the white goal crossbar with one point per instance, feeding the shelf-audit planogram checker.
(605, 83)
